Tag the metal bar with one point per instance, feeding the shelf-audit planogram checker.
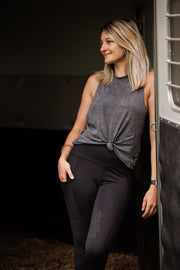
(172, 15)
(172, 39)
(157, 119)
(173, 85)
(173, 62)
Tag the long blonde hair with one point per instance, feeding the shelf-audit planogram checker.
(126, 34)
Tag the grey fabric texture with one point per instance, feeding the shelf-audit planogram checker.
(116, 118)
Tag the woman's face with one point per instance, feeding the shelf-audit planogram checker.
(111, 51)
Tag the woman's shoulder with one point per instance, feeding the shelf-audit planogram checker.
(91, 84)
(149, 85)
(150, 77)
(93, 79)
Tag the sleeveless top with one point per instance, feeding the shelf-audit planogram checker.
(116, 119)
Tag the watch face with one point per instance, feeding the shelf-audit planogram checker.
(154, 182)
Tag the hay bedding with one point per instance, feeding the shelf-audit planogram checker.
(19, 252)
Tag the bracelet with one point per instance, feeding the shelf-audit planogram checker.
(154, 182)
(65, 146)
(153, 128)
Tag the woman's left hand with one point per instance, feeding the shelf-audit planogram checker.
(150, 202)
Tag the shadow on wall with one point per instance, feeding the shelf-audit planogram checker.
(42, 102)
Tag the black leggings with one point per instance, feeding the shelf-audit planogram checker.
(97, 200)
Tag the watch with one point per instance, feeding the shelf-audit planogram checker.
(154, 182)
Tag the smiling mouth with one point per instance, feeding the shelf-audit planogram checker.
(105, 54)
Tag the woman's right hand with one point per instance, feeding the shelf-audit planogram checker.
(64, 169)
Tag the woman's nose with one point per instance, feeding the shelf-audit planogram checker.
(103, 47)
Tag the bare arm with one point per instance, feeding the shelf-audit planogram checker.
(79, 126)
(149, 205)
(151, 107)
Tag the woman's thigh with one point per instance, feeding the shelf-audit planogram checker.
(109, 209)
(96, 200)
(80, 195)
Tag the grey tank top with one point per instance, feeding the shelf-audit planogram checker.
(116, 119)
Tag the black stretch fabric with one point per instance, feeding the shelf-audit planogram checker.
(97, 200)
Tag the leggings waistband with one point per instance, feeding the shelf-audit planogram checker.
(101, 155)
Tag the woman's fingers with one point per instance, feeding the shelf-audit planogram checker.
(150, 205)
(150, 210)
(146, 211)
(154, 211)
(144, 204)
(63, 177)
(71, 176)
(64, 169)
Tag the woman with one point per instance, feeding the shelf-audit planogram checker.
(99, 155)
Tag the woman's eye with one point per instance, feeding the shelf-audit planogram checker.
(106, 41)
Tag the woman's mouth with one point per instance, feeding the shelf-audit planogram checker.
(106, 54)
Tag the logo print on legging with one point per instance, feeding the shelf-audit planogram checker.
(96, 222)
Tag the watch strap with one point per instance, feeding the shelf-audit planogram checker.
(154, 182)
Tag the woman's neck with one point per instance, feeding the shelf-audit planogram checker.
(120, 69)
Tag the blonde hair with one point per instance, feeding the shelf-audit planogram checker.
(126, 34)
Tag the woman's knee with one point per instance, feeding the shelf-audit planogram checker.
(94, 248)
